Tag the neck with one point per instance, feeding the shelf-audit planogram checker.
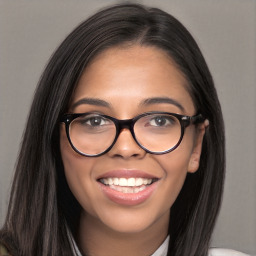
(96, 239)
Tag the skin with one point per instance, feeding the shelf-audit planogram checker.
(124, 77)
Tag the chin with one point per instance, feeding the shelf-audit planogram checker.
(130, 227)
(135, 221)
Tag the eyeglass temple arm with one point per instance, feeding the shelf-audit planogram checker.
(187, 120)
(197, 119)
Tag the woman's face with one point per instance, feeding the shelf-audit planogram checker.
(125, 80)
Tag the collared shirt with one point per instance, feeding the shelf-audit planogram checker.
(225, 252)
(163, 250)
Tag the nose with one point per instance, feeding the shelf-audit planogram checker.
(126, 147)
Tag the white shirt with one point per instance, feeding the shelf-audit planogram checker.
(225, 252)
(163, 249)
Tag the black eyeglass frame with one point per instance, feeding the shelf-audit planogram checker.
(184, 120)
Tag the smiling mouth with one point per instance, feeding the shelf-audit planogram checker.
(127, 185)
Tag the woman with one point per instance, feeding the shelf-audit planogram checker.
(124, 151)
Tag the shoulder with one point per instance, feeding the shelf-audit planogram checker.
(4, 251)
(225, 252)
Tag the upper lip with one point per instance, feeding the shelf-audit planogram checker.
(127, 173)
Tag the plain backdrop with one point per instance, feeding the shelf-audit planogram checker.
(226, 33)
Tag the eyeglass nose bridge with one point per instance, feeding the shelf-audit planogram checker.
(124, 124)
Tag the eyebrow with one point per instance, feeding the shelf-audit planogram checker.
(162, 100)
(149, 101)
(91, 101)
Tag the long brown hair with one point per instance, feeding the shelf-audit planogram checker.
(42, 210)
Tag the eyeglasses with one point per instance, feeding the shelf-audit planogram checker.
(92, 134)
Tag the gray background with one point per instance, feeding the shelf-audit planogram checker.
(225, 31)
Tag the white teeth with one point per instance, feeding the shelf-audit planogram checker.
(123, 182)
(131, 182)
(116, 181)
(110, 181)
(136, 190)
(127, 190)
(145, 182)
(139, 182)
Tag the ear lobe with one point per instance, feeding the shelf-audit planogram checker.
(196, 154)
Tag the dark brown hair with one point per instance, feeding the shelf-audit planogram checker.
(42, 209)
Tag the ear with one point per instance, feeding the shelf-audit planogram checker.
(196, 153)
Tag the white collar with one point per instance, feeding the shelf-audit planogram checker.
(161, 251)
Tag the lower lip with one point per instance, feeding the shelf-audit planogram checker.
(128, 199)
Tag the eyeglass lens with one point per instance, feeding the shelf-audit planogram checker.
(93, 134)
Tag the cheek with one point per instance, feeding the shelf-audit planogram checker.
(78, 173)
(177, 161)
(175, 167)
(71, 160)
(175, 171)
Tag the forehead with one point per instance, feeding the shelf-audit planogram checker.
(131, 74)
